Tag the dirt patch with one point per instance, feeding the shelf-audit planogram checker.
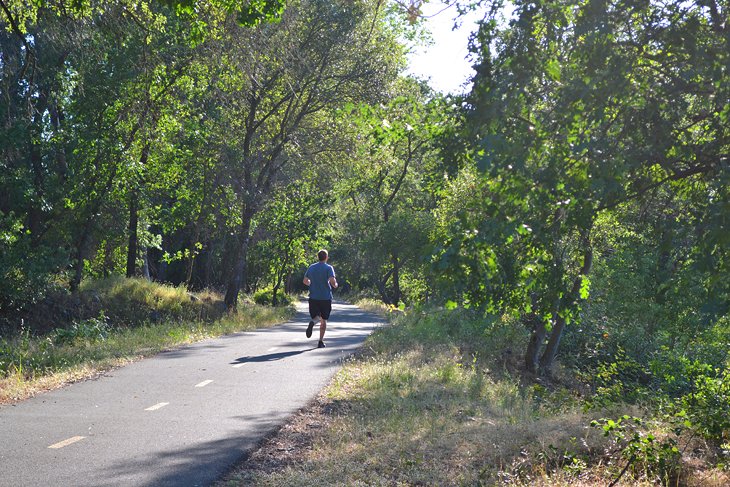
(288, 446)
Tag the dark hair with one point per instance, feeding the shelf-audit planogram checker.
(322, 254)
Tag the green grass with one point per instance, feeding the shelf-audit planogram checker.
(133, 318)
(432, 401)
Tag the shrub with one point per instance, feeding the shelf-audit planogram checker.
(622, 379)
(91, 331)
(266, 296)
(657, 459)
(708, 405)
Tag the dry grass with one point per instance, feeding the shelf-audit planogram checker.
(412, 422)
(421, 412)
(16, 388)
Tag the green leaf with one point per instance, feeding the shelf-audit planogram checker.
(585, 286)
(552, 68)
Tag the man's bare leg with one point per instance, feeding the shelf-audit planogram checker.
(322, 329)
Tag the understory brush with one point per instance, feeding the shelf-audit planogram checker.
(266, 297)
(378, 307)
(437, 399)
(132, 318)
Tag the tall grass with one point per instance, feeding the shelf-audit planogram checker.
(136, 318)
(136, 301)
(432, 402)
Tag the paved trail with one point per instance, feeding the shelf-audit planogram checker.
(182, 418)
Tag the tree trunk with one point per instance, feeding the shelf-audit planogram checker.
(279, 280)
(396, 279)
(535, 344)
(274, 294)
(57, 118)
(35, 212)
(551, 350)
(133, 233)
(208, 268)
(569, 302)
(238, 278)
(79, 258)
(381, 287)
(132, 247)
(189, 268)
(146, 265)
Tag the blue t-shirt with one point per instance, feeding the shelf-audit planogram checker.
(320, 274)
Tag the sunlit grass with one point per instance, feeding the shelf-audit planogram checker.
(132, 301)
(376, 306)
(417, 419)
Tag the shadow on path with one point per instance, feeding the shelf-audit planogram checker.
(271, 357)
(199, 464)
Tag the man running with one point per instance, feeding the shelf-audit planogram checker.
(320, 277)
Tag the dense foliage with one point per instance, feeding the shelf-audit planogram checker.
(133, 144)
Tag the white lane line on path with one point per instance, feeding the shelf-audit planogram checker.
(238, 366)
(272, 349)
(204, 383)
(70, 441)
(157, 406)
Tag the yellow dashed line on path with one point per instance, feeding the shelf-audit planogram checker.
(63, 443)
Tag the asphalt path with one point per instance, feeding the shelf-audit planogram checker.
(181, 418)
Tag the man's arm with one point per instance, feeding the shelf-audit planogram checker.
(333, 282)
(307, 281)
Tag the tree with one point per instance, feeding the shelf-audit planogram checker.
(576, 109)
(385, 188)
(271, 87)
(293, 224)
(88, 85)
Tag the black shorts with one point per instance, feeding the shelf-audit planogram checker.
(320, 307)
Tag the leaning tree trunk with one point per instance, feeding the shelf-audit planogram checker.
(569, 302)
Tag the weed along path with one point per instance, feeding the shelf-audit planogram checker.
(181, 418)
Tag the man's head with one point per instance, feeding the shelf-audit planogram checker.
(322, 254)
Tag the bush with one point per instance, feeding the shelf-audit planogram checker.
(655, 459)
(708, 405)
(91, 331)
(26, 275)
(622, 379)
(266, 296)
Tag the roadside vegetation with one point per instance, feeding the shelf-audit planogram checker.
(112, 322)
(437, 398)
